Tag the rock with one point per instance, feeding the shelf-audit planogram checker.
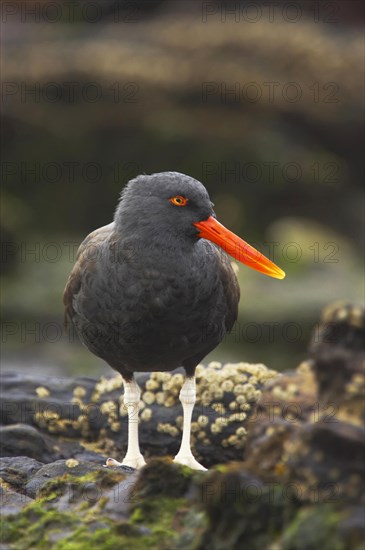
(120, 497)
(16, 471)
(44, 401)
(56, 469)
(308, 428)
(338, 355)
(93, 411)
(284, 405)
(352, 525)
(297, 482)
(243, 511)
(20, 439)
(306, 441)
(162, 477)
(17, 439)
(315, 527)
(325, 461)
(12, 503)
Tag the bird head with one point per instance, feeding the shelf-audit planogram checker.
(170, 206)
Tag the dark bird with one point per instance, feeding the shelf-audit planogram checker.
(152, 291)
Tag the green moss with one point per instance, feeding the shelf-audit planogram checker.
(108, 539)
(153, 509)
(222, 468)
(32, 527)
(315, 527)
(137, 516)
(152, 524)
(102, 502)
(100, 539)
(103, 479)
(161, 477)
(242, 511)
(39, 520)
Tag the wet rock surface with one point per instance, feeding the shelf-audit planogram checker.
(286, 470)
(50, 418)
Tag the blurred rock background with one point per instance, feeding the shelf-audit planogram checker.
(262, 101)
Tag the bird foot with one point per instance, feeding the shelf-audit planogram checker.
(135, 462)
(189, 460)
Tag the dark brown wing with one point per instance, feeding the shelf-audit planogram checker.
(231, 291)
(86, 257)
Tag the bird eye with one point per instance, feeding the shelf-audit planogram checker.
(179, 200)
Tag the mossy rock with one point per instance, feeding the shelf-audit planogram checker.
(162, 477)
(314, 527)
(242, 510)
(63, 519)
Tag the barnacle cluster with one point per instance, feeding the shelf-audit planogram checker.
(41, 391)
(106, 385)
(53, 419)
(225, 394)
(224, 397)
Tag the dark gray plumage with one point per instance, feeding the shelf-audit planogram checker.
(147, 294)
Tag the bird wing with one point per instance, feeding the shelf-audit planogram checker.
(231, 290)
(231, 296)
(225, 271)
(86, 257)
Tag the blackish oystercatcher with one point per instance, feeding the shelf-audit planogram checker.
(152, 292)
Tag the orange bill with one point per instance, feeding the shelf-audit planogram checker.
(236, 247)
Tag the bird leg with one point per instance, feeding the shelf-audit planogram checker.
(133, 458)
(187, 398)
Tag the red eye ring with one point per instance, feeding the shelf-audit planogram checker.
(179, 200)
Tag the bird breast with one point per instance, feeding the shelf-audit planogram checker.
(146, 307)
